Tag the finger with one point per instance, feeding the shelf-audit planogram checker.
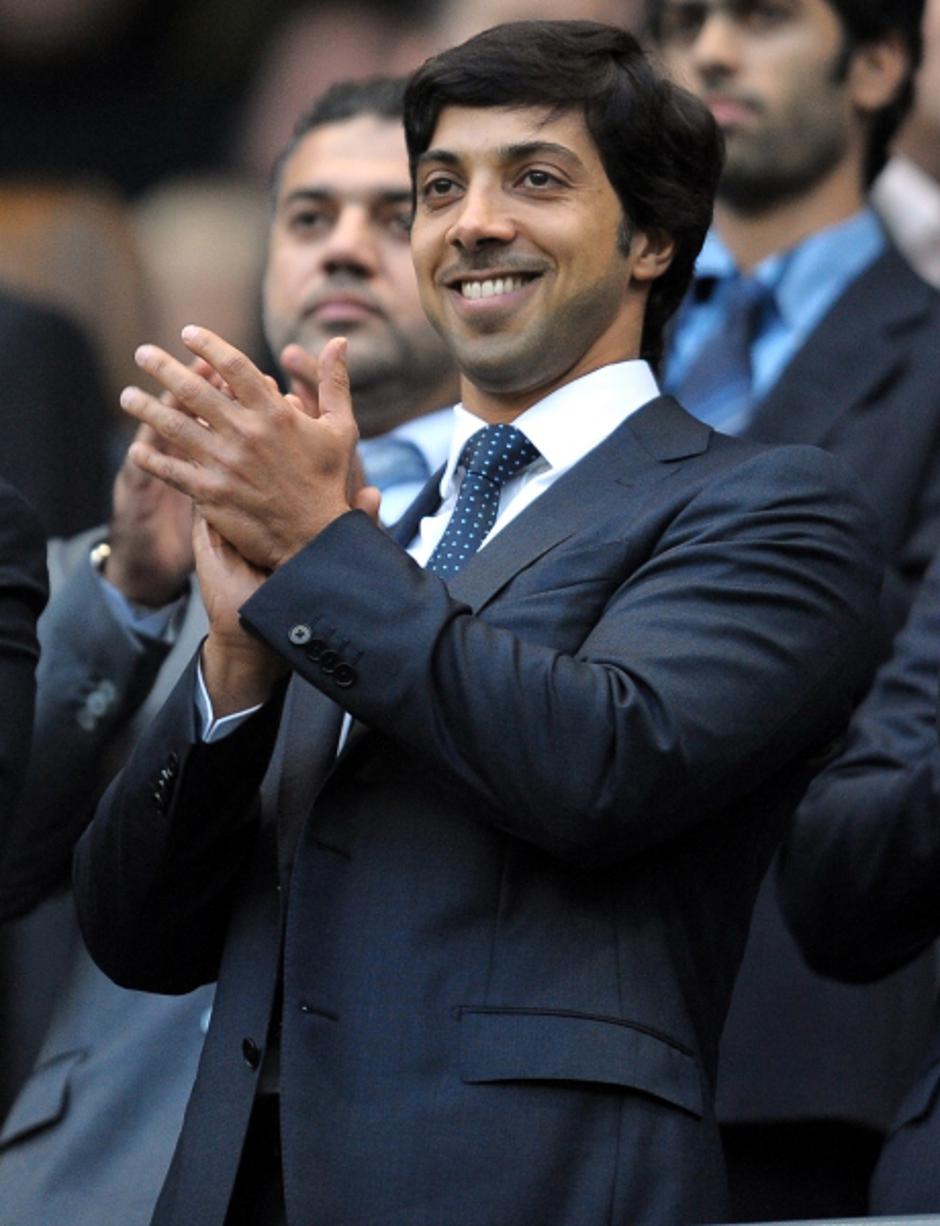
(180, 431)
(203, 368)
(181, 474)
(304, 375)
(239, 372)
(334, 394)
(190, 391)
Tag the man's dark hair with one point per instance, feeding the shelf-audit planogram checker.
(863, 22)
(379, 96)
(659, 146)
(868, 21)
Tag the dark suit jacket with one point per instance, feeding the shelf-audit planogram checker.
(859, 879)
(54, 417)
(23, 589)
(107, 1092)
(513, 907)
(865, 386)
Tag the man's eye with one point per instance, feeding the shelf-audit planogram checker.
(764, 14)
(682, 22)
(307, 220)
(438, 187)
(538, 178)
(400, 223)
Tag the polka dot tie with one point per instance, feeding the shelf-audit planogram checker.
(489, 459)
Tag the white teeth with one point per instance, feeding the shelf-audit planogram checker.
(489, 289)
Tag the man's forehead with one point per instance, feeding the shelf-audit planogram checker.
(365, 155)
(502, 130)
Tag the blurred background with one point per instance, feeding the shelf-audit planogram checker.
(135, 146)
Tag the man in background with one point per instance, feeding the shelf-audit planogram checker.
(91, 1133)
(804, 324)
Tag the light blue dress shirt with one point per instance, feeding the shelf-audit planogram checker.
(804, 282)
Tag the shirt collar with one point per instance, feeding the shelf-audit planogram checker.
(572, 420)
(816, 269)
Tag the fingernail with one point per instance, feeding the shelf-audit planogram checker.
(142, 353)
(190, 332)
(128, 396)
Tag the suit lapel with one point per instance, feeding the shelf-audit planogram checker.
(855, 352)
(641, 452)
(636, 456)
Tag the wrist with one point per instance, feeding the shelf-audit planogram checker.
(141, 583)
(239, 674)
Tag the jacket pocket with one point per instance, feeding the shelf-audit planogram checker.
(523, 1045)
(43, 1099)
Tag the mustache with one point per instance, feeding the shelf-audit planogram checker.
(488, 260)
(342, 285)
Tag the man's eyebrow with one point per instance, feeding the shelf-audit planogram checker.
(506, 153)
(323, 195)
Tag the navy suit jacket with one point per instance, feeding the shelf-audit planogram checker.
(866, 386)
(859, 880)
(506, 919)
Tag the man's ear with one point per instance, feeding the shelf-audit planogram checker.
(651, 253)
(877, 71)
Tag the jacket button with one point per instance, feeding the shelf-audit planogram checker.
(329, 660)
(300, 634)
(315, 650)
(344, 675)
(252, 1053)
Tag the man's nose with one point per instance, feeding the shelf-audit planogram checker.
(717, 44)
(482, 218)
(351, 242)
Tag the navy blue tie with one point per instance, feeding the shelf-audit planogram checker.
(717, 387)
(489, 458)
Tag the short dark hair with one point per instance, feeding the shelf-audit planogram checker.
(660, 147)
(863, 22)
(382, 97)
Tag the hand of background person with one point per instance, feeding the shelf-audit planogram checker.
(150, 533)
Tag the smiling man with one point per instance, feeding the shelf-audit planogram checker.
(474, 941)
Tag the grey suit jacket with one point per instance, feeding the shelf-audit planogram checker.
(512, 908)
(91, 1132)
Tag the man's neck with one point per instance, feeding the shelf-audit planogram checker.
(753, 236)
(379, 413)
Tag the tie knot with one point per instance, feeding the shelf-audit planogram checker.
(497, 453)
(747, 297)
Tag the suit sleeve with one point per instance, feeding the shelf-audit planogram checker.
(23, 590)
(93, 675)
(861, 865)
(737, 644)
(157, 872)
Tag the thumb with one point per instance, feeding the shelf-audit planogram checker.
(304, 375)
(335, 398)
(367, 498)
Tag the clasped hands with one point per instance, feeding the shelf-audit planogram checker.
(266, 473)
